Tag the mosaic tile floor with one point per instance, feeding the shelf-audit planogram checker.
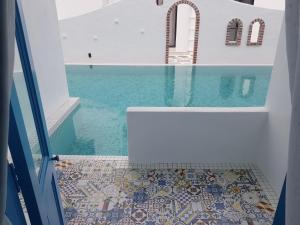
(107, 192)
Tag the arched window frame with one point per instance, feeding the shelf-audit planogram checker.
(260, 32)
(232, 22)
(197, 28)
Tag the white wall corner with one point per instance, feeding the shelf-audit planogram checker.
(272, 155)
(47, 53)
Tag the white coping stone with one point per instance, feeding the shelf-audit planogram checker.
(197, 109)
(161, 64)
(56, 119)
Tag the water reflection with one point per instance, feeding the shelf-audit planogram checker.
(181, 88)
(227, 84)
(169, 85)
(179, 83)
(247, 86)
(98, 126)
(67, 140)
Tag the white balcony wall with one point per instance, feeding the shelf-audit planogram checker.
(43, 31)
(194, 135)
(273, 151)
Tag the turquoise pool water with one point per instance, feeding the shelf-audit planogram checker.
(98, 125)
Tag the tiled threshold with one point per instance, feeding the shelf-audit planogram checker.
(110, 190)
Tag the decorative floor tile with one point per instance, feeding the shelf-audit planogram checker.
(110, 192)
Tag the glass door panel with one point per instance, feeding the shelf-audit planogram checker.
(24, 101)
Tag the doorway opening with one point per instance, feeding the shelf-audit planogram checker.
(182, 32)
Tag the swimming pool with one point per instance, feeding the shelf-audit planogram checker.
(98, 125)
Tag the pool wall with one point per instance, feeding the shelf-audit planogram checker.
(193, 135)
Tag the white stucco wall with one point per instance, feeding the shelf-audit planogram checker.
(71, 8)
(273, 150)
(194, 135)
(42, 27)
(271, 4)
(133, 31)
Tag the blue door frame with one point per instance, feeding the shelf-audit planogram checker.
(14, 210)
(40, 192)
(33, 187)
(280, 211)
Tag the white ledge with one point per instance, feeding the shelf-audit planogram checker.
(197, 109)
(56, 119)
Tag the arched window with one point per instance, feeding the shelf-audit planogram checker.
(159, 2)
(234, 32)
(256, 32)
(188, 45)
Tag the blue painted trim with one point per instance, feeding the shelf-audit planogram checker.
(34, 187)
(22, 158)
(279, 218)
(13, 206)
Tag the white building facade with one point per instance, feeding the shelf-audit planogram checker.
(134, 32)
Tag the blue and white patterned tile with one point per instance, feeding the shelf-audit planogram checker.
(103, 192)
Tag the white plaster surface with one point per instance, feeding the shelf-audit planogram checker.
(194, 135)
(272, 153)
(71, 8)
(43, 31)
(56, 119)
(270, 4)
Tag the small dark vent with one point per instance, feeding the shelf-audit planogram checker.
(159, 2)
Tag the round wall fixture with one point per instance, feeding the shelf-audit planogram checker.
(95, 38)
(142, 31)
(64, 36)
(117, 21)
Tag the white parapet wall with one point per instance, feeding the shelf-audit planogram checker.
(57, 118)
(194, 135)
(43, 34)
(134, 32)
(272, 157)
(47, 53)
